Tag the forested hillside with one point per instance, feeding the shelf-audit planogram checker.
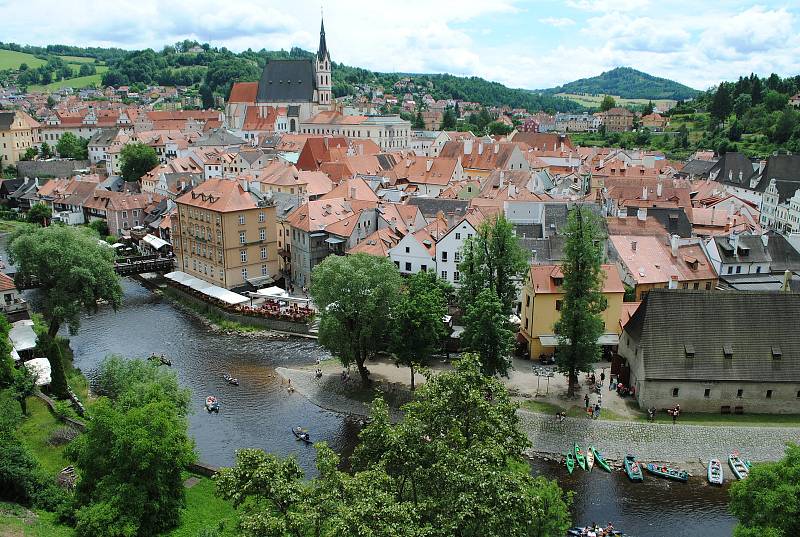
(628, 83)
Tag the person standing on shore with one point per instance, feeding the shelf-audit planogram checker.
(586, 400)
(602, 377)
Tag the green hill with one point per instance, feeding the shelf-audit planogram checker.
(628, 83)
(11, 59)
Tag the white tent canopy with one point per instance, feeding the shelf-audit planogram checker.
(206, 288)
(155, 242)
(41, 368)
(22, 336)
(273, 291)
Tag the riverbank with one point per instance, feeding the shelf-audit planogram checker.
(662, 442)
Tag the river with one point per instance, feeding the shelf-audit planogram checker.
(259, 413)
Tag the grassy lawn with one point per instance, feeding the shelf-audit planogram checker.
(35, 431)
(17, 521)
(11, 59)
(8, 226)
(77, 82)
(595, 100)
(77, 59)
(205, 510)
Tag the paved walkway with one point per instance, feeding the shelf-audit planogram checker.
(648, 441)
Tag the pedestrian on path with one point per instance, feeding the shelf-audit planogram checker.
(602, 377)
(586, 400)
(596, 411)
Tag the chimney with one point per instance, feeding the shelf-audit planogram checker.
(512, 190)
(502, 178)
(659, 189)
(765, 239)
(673, 244)
(733, 239)
(468, 146)
(325, 141)
(496, 148)
(428, 165)
(761, 165)
(562, 147)
(480, 148)
(641, 214)
(673, 282)
(633, 246)
(644, 192)
(787, 277)
(352, 192)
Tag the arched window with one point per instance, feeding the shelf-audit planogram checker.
(292, 125)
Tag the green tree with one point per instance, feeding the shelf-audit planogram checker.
(607, 103)
(128, 381)
(767, 503)
(40, 214)
(742, 104)
(355, 295)
(498, 128)
(483, 119)
(417, 326)
(136, 160)
(492, 259)
(735, 131)
(487, 332)
(785, 126)
(70, 146)
(130, 460)
(30, 153)
(648, 108)
(451, 466)
(775, 101)
(721, 106)
(45, 151)
(448, 120)
(72, 270)
(6, 360)
(581, 321)
(24, 386)
(682, 138)
(419, 122)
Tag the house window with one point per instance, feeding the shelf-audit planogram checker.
(469, 235)
(727, 350)
(707, 392)
(241, 219)
(423, 268)
(408, 267)
(243, 255)
(708, 286)
(526, 323)
(408, 250)
(244, 273)
(758, 269)
(457, 257)
(444, 274)
(730, 270)
(559, 304)
(263, 270)
(769, 394)
(242, 238)
(696, 285)
(124, 214)
(798, 394)
(738, 269)
(263, 252)
(739, 393)
(458, 236)
(456, 276)
(776, 352)
(397, 264)
(444, 257)
(675, 392)
(262, 234)
(527, 300)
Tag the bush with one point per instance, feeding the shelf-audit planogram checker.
(62, 435)
(63, 409)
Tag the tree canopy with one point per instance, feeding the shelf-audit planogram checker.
(40, 214)
(452, 466)
(70, 146)
(355, 295)
(136, 160)
(581, 322)
(487, 332)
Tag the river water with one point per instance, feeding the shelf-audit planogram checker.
(259, 413)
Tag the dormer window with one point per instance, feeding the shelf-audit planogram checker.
(689, 350)
(727, 350)
(776, 352)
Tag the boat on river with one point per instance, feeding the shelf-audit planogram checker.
(589, 459)
(161, 360)
(739, 467)
(569, 460)
(715, 476)
(230, 380)
(301, 434)
(633, 468)
(579, 456)
(667, 472)
(212, 405)
(579, 532)
(599, 460)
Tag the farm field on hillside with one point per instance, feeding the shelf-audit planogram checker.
(594, 100)
(11, 59)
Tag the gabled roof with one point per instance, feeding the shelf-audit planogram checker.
(649, 259)
(547, 279)
(377, 243)
(243, 92)
(219, 195)
(734, 169)
(284, 81)
(6, 283)
(753, 324)
(750, 249)
(785, 169)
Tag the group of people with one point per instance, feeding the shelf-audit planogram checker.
(597, 531)
(675, 412)
(593, 411)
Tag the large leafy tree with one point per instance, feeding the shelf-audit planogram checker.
(418, 327)
(6, 361)
(492, 259)
(136, 160)
(70, 146)
(448, 120)
(131, 457)
(487, 332)
(355, 295)
(581, 322)
(767, 503)
(40, 214)
(607, 103)
(451, 467)
(721, 105)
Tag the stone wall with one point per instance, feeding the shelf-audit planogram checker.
(692, 396)
(50, 168)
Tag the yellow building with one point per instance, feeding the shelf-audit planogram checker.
(227, 235)
(18, 133)
(542, 296)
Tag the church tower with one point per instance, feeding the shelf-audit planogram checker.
(323, 69)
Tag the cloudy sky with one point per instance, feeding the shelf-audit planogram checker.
(521, 43)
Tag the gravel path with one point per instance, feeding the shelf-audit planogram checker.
(648, 441)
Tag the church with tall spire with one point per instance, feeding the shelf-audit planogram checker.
(288, 93)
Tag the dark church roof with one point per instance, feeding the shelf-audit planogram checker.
(785, 169)
(758, 329)
(322, 52)
(285, 81)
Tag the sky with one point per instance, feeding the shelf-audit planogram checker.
(520, 43)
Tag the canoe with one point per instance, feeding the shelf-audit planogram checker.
(676, 474)
(589, 459)
(569, 460)
(230, 380)
(302, 435)
(715, 476)
(579, 457)
(599, 460)
(633, 468)
(577, 532)
(738, 466)
(212, 405)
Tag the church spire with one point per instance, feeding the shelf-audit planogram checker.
(323, 47)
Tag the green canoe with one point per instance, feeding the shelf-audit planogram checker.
(570, 462)
(599, 460)
(579, 456)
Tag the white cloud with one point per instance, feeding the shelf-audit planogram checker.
(607, 5)
(558, 22)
